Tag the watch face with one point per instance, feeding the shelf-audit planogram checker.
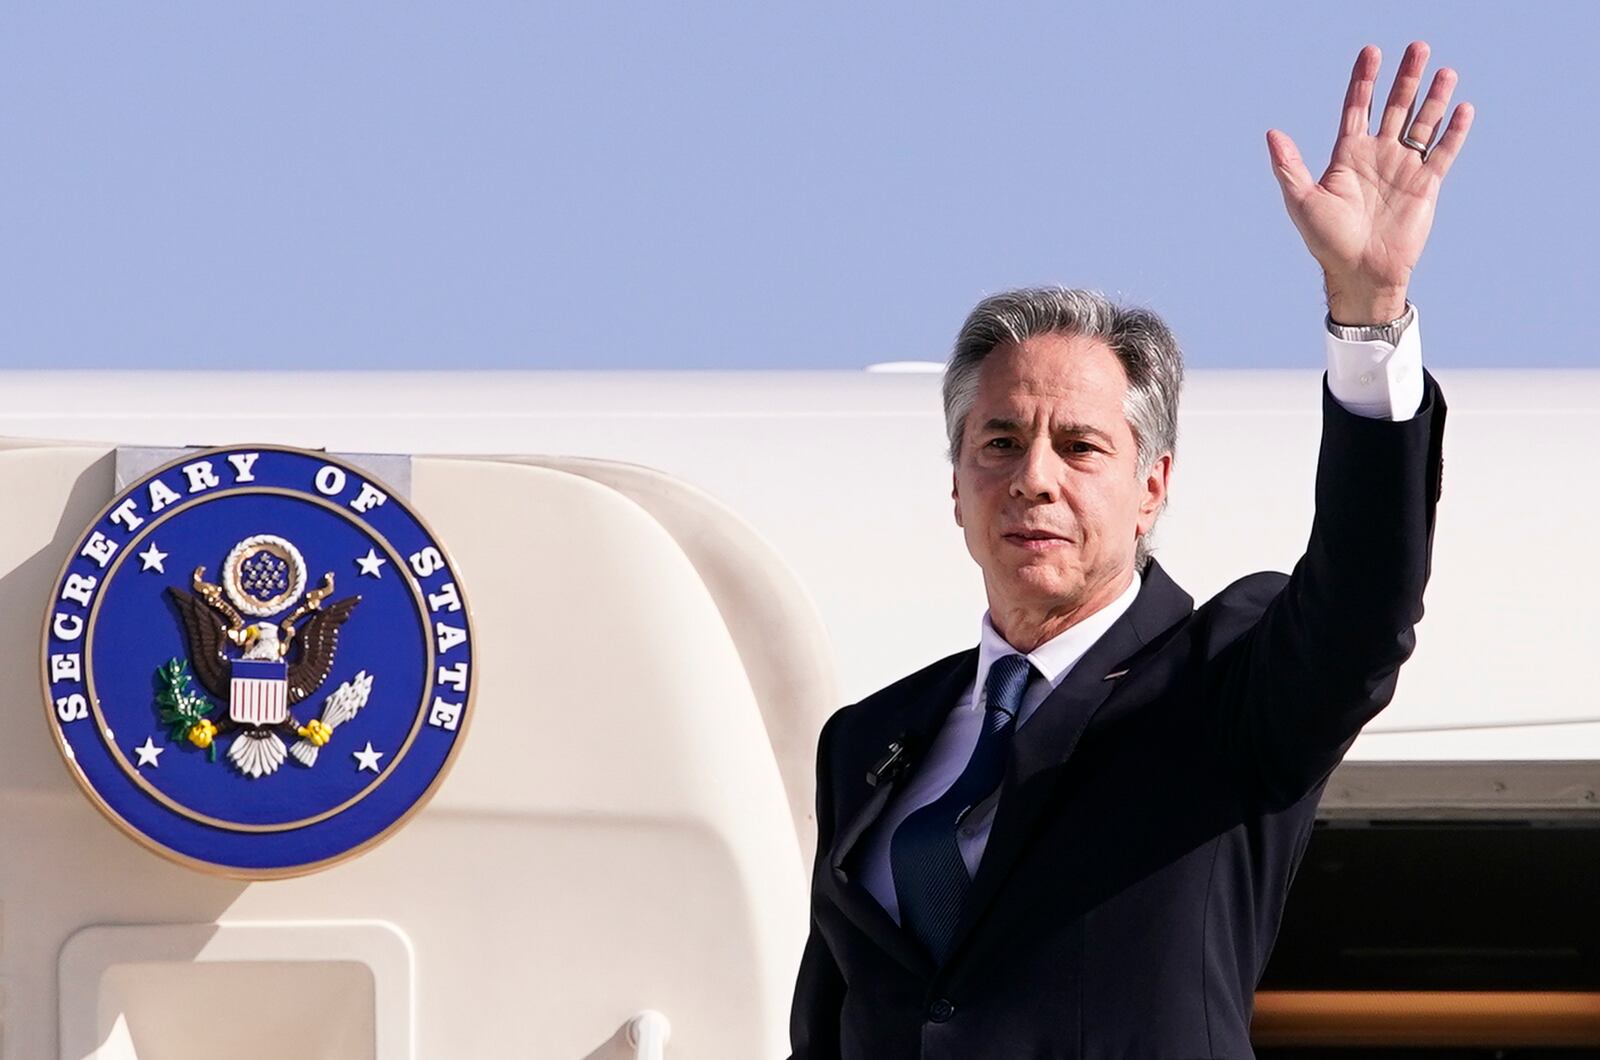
(258, 660)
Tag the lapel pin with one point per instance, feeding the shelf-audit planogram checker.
(1110, 677)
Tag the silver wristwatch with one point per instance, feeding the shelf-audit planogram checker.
(1389, 332)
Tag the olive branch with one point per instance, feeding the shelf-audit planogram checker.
(181, 707)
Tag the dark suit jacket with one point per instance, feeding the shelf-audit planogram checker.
(1149, 824)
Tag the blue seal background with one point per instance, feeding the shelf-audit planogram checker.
(138, 629)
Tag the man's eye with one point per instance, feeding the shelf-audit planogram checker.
(1081, 447)
(999, 441)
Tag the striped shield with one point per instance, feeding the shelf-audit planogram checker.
(259, 694)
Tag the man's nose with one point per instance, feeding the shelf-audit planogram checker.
(1038, 473)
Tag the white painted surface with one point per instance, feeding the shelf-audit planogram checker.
(795, 534)
(843, 474)
(615, 835)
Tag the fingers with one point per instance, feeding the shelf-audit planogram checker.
(1357, 116)
(1288, 166)
(1426, 123)
(1404, 92)
(1455, 134)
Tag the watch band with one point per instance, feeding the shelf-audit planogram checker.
(1389, 332)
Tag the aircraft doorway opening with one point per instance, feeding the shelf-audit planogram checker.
(1442, 910)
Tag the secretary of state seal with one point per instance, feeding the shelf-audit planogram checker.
(1075, 838)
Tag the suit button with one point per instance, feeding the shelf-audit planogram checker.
(941, 1010)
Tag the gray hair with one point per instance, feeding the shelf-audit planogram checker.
(1141, 340)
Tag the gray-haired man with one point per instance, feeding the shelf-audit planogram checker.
(1075, 839)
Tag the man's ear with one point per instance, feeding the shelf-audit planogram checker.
(1155, 487)
(955, 495)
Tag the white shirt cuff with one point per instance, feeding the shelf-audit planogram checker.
(1376, 379)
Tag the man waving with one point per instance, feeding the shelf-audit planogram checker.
(1075, 838)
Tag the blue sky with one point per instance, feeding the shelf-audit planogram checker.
(695, 185)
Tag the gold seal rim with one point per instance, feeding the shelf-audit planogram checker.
(223, 869)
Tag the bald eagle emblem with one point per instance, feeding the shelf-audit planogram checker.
(264, 668)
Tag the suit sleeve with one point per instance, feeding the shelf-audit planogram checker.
(1323, 658)
(819, 988)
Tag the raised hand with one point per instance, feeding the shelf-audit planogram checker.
(1367, 219)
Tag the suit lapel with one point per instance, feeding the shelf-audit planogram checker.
(1043, 745)
(913, 721)
(1039, 749)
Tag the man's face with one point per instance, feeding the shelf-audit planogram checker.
(1044, 483)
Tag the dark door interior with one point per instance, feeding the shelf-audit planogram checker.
(1415, 938)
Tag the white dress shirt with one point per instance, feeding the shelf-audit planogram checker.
(1375, 379)
(1379, 380)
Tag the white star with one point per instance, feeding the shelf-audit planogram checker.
(153, 557)
(370, 563)
(368, 759)
(149, 753)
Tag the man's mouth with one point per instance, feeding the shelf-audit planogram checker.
(1035, 539)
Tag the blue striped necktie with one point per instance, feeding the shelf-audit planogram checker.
(930, 879)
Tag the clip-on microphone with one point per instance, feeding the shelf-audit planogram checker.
(896, 760)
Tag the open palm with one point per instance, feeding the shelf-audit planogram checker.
(1367, 220)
